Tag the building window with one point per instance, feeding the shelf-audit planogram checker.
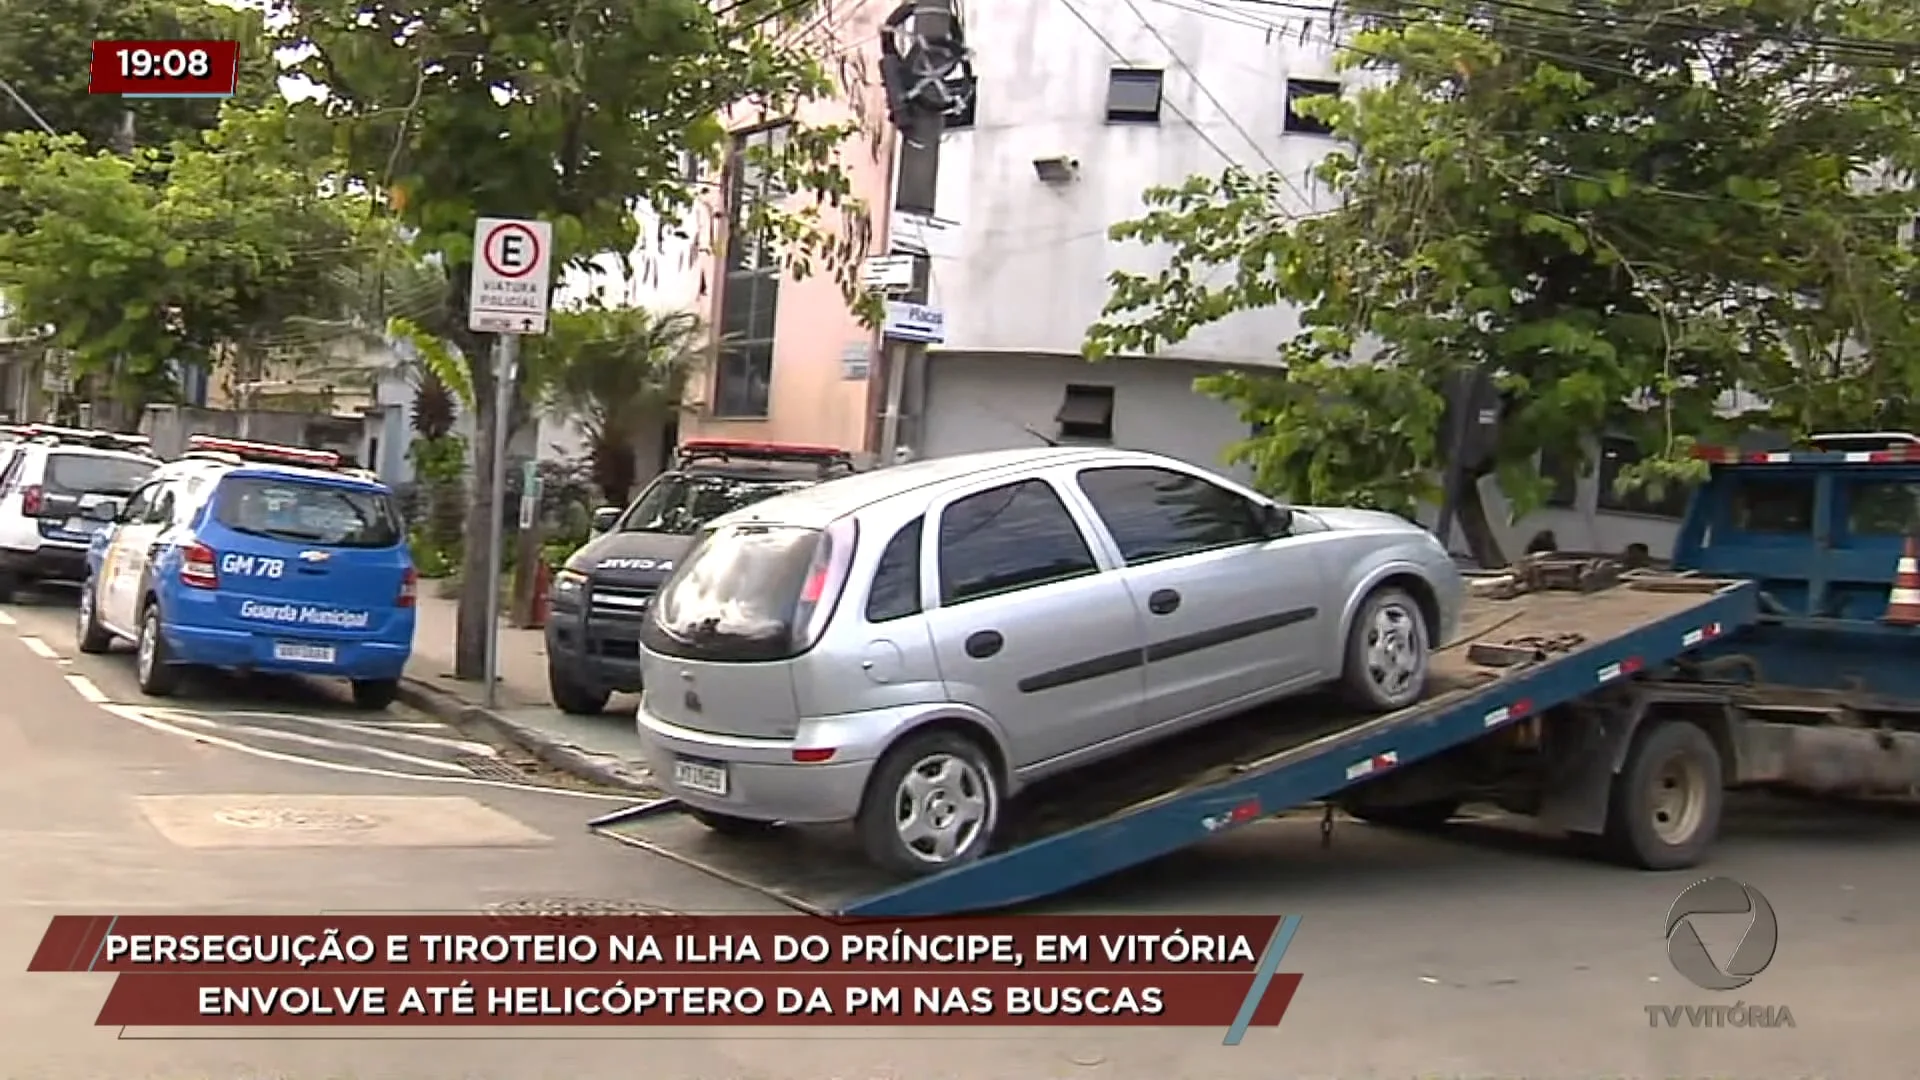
(1563, 472)
(1133, 95)
(1616, 454)
(1298, 123)
(750, 290)
(1086, 414)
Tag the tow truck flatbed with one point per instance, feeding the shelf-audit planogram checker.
(1549, 648)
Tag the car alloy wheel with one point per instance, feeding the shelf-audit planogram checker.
(1396, 655)
(148, 647)
(943, 808)
(85, 615)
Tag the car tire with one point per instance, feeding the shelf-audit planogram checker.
(93, 638)
(729, 825)
(956, 782)
(1388, 652)
(572, 698)
(1664, 809)
(375, 694)
(153, 666)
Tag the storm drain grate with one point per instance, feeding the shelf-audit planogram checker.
(492, 768)
(572, 907)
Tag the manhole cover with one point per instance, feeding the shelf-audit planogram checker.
(283, 818)
(489, 768)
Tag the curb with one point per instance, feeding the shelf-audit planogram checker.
(595, 768)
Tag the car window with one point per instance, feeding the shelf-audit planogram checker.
(164, 500)
(308, 513)
(97, 474)
(1161, 513)
(896, 580)
(735, 595)
(681, 504)
(1782, 505)
(1883, 508)
(1008, 538)
(136, 507)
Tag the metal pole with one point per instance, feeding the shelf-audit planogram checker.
(915, 191)
(506, 354)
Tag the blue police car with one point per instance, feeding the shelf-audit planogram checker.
(249, 557)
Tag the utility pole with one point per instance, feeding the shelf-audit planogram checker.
(924, 65)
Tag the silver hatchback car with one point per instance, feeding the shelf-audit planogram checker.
(905, 649)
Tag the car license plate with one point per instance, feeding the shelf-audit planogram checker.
(81, 525)
(700, 776)
(307, 654)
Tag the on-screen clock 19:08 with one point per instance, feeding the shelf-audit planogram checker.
(148, 68)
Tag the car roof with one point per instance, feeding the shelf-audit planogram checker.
(825, 503)
(268, 471)
(95, 452)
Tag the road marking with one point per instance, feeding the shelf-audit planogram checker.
(6, 619)
(86, 689)
(461, 746)
(151, 723)
(272, 734)
(39, 648)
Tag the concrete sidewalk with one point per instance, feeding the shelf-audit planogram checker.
(602, 749)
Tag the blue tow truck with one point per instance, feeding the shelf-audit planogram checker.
(1616, 704)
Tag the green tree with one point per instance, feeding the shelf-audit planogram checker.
(1619, 210)
(618, 373)
(569, 113)
(46, 53)
(145, 262)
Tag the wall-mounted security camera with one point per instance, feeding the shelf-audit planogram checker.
(1056, 170)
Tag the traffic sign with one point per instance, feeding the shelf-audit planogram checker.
(512, 268)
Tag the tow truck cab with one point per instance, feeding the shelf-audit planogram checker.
(1821, 531)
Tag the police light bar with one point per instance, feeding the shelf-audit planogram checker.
(264, 453)
(98, 439)
(750, 450)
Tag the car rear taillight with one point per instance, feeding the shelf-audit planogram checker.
(409, 587)
(32, 498)
(197, 568)
(826, 579)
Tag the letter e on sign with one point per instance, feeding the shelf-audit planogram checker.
(512, 275)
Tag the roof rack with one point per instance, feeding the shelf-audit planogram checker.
(98, 439)
(827, 458)
(243, 451)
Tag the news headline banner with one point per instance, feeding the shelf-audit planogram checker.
(486, 970)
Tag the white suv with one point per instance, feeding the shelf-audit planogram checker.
(49, 481)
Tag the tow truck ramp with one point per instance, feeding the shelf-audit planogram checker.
(1529, 642)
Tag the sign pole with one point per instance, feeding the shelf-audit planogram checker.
(506, 358)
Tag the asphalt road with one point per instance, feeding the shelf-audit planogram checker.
(1486, 952)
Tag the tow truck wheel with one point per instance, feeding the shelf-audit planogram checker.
(93, 638)
(375, 694)
(932, 805)
(728, 825)
(1387, 652)
(152, 666)
(1664, 811)
(572, 698)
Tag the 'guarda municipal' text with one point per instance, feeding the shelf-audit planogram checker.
(306, 615)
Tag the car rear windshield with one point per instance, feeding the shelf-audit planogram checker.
(95, 474)
(681, 504)
(324, 514)
(735, 596)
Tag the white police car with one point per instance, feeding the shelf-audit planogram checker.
(255, 557)
(56, 483)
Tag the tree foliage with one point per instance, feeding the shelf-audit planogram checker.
(145, 262)
(570, 113)
(618, 373)
(1620, 210)
(46, 52)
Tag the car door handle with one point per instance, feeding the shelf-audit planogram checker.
(1163, 602)
(985, 643)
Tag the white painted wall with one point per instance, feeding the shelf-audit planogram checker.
(1027, 268)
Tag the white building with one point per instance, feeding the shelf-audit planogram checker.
(1080, 108)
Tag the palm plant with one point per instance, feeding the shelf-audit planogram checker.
(618, 373)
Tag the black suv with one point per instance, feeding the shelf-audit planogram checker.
(600, 597)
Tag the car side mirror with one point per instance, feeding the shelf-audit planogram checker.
(604, 517)
(1278, 520)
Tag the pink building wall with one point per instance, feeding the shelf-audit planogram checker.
(809, 398)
